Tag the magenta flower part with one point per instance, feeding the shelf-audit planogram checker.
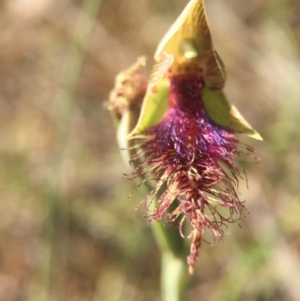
(182, 133)
(195, 158)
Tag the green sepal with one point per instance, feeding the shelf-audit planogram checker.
(153, 109)
(226, 115)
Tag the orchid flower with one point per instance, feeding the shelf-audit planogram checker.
(184, 140)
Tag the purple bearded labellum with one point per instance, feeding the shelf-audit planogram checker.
(186, 138)
(196, 159)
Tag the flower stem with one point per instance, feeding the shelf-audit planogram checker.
(173, 277)
(174, 271)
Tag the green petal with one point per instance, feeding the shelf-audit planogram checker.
(154, 107)
(191, 24)
(225, 115)
(189, 41)
(155, 102)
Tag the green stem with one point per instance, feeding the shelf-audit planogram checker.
(174, 267)
(174, 272)
(173, 277)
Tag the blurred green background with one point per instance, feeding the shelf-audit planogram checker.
(67, 229)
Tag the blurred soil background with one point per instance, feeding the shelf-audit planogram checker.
(67, 229)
